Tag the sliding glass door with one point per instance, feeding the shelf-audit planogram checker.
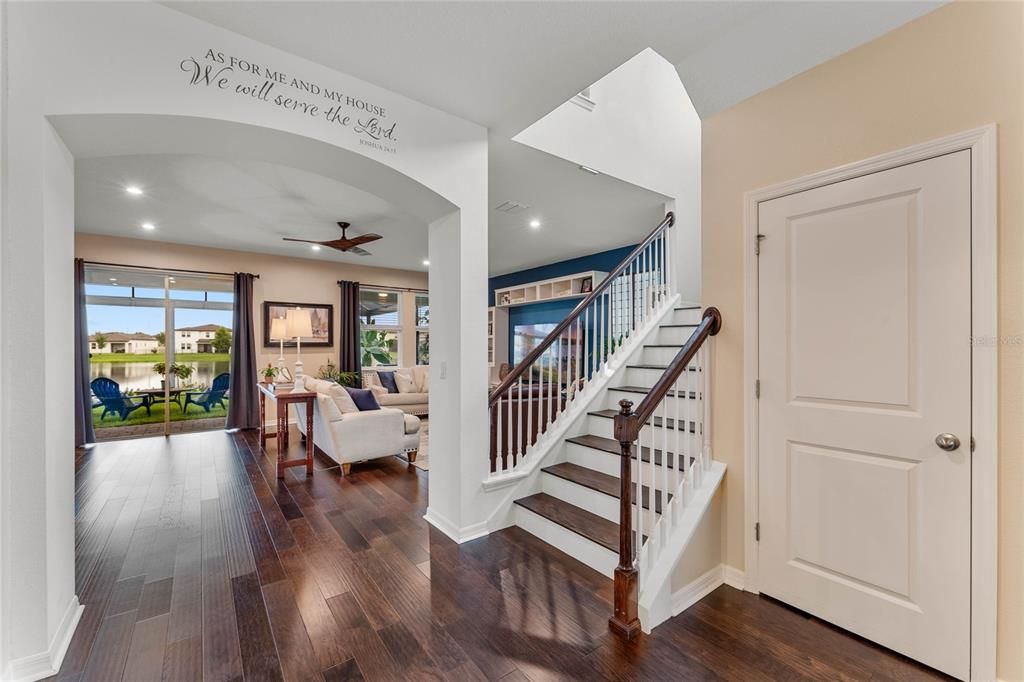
(159, 348)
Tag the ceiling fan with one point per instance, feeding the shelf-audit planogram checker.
(344, 244)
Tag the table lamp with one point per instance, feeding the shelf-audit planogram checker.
(299, 324)
(279, 332)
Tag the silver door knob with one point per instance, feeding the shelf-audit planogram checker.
(947, 441)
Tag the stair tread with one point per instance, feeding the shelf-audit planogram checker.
(611, 446)
(678, 325)
(657, 422)
(688, 307)
(663, 345)
(591, 526)
(602, 483)
(645, 390)
(650, 366)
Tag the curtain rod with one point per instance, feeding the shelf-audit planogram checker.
(387, 286)
(145, 267)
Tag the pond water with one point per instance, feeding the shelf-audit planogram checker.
(137, 375)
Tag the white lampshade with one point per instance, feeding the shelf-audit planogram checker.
(299, 323)
(278, 329)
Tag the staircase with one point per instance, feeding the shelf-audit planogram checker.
(621, 490)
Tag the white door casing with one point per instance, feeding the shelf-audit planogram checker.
(864, 357)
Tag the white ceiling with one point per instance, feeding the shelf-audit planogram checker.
(240, 204)
(501, 64)
(506, 64)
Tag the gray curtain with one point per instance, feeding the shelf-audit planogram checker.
(244, 404)
(83, 396)
(350, 355)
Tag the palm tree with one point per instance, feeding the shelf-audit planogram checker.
(100, 339)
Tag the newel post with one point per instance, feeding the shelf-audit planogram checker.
(624, 621)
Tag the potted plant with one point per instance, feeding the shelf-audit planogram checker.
(179, 371)
(269, 372)
(331, 372)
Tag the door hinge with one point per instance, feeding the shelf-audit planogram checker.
(757, 532)
(757, 389)
(757, 243)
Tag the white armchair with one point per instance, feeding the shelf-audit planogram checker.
(348, 436)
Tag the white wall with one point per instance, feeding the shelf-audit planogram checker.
(68, 60)
(645, 131)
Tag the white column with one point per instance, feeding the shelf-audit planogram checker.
(459, 421)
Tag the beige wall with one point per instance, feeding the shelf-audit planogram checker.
(281, 279)
(954, 69)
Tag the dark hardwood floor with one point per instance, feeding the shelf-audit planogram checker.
(194, 563)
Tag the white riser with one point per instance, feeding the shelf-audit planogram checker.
(605, 506)
(634, 376)
(605, 427)
(598, 460)
(578, 547)
(612, 399)
(607, 463)
(660, 356)
(685, 317)
(674, 335)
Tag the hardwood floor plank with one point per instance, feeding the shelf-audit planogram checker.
(145, 661)
(298, 660)
(259, 653)
(106, 662)
(156, 598)
(231, 575)
(348, 671)
(375, 663)
(183, 660)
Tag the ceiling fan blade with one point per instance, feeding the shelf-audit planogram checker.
(359, 251)
(365, 238)
(304, 241)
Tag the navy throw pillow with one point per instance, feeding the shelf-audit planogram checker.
(363, 398)
(387, 380)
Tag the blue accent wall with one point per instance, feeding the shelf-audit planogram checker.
(551, 311)
(602, 262)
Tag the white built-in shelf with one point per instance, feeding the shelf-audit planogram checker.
(569, 286)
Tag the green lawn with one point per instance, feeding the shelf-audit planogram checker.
(158, 357)
(140, 417)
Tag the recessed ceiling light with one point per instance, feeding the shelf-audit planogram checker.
(315, 247)
(113, 279)
(426, 262)
(134, 190)
(588, 169)
(114, 284)
(535, 223)
(382, 294)
(148, 226)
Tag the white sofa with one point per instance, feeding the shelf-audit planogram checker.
(415, 401)
(347, 435)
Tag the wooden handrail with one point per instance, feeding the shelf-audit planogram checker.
(625, 620)
(539, 349)
(628, 425)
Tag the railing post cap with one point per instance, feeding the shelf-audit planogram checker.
(626, 406)
(671, 218)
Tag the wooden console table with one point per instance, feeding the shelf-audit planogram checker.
(283, 399)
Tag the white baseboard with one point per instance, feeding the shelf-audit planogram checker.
(698, 589)
(459, 535)
(47, 663)
(734, 577)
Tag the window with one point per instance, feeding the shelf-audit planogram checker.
(380, 318)
(422, 329)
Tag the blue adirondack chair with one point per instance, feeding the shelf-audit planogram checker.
(108, 392)
(210, 399)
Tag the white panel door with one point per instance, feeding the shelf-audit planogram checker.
(865, 357)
